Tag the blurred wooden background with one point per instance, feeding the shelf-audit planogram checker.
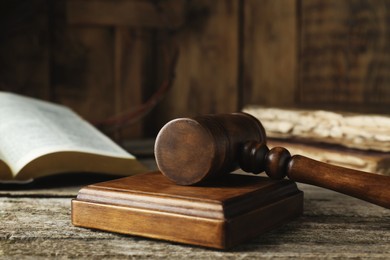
(104, 57)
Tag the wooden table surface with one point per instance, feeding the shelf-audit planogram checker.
(35, 223)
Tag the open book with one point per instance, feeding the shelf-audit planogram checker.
(38, 138)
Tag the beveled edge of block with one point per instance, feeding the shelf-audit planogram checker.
(189, 200)
(207, 227)
(206, 232)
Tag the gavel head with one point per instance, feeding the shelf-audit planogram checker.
(193, 150)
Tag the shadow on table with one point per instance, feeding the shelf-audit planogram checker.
(60, 181)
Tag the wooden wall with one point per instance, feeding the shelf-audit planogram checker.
(345, 54)
(105, 57)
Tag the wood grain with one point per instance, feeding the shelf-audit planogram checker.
(369, 187)
(133, 56)
(201, 149)
(206, 72)
(83, 71)
(220, 142)
(313, 54)
(333, 226)
(36, 223)
(101, 71)
(134, 13)
(345, 54)
(25, 48)
(270, 39)
(218, 216)
(364, 161)
(278, 163)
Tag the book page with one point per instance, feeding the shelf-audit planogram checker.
(5, 171)
(30, 128)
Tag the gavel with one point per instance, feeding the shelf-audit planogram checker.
(198, 150)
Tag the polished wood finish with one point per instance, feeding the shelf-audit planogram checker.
(218, 215)
(254, 156)
(192, 150)
(373, 188)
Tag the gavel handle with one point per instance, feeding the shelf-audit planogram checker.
(278, 163)
(370, 187)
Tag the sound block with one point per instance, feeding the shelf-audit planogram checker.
(218, 216)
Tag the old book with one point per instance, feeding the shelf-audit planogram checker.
(357, 141)
(368, 161)
(357, 131)
(38, 138)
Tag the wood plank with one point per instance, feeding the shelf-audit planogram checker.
(269, 52)
(136, 66)
(333, 226)
(136, 13)
(83, 71)
(345, 54)
(101, 72)
(24, 48)
(206, 73)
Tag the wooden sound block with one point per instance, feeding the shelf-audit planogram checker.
(219, 216)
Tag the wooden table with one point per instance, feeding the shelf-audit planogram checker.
(35, 222)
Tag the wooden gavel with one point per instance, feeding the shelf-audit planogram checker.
(194, 150)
